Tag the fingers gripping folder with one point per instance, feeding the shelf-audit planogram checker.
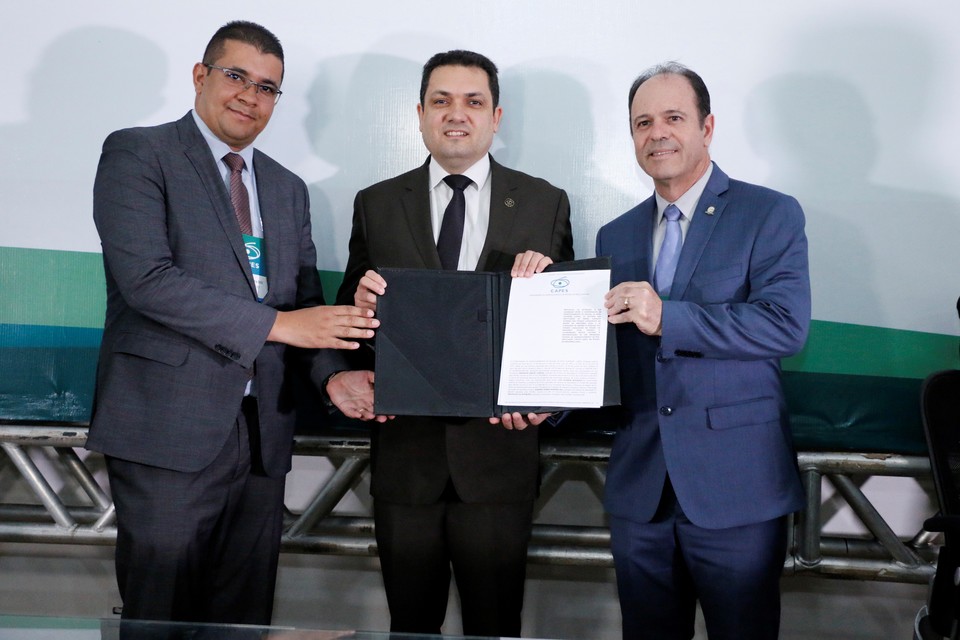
(440, 343)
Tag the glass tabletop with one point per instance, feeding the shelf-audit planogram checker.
(52, 628)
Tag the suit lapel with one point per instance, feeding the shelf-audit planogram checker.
(642, 246)
(198, 152)
(415, 204)
(269, 200)
(506, 204)
(709, 211)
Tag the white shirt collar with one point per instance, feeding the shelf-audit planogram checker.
(687, 203)
(218, 147)
(479, 172)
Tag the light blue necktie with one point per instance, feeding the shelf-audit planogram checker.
(669, 252)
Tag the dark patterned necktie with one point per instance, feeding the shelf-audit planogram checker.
(451, 229)
(238, 192)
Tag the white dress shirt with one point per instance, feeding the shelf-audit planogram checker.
(477, 217)
(687, 203)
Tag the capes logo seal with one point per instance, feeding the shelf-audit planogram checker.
(253, 251)
(558, 285)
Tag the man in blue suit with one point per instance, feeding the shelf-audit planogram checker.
(214, 303)
(711, 290)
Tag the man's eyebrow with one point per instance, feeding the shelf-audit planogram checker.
(665, 112)
(469, 94)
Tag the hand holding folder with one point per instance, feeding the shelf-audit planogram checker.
(440, 342)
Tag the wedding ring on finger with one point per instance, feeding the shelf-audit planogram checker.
(626, 302)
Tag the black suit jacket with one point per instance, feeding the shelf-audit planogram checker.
(413, 457)
(184, 331)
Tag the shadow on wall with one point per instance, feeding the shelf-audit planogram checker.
(882, 251)
(548, 131)
(880, 255)
(87, 83)
(362, 119)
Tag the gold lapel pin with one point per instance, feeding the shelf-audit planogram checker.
(710, 210)
(509, 202)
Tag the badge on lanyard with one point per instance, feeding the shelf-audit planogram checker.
(258, 266)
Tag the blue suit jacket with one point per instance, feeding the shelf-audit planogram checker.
(184, 331)
(703, 402)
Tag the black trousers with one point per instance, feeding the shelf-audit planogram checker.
(203, 546)
(486, 546)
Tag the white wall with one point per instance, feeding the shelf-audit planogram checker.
(847, 105)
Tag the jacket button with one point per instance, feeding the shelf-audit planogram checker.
(666, 411)
(659, 355)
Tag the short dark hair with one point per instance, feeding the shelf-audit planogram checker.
(461, 58)
(247, 32)
(677, 69)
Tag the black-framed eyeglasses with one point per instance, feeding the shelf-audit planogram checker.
(242, 83)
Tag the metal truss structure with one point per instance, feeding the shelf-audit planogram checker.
(881, 555)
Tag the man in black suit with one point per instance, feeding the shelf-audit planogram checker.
(211, 280)
(451, 492)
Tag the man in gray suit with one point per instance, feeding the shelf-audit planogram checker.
(450, 492)
(213, 304)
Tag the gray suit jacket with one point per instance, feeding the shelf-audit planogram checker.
(412, 457)
(184, 331)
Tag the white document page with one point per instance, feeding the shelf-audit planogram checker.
(555, 342)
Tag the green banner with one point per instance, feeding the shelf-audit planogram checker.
(852, 388)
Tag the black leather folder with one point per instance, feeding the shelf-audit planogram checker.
(439, 344)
